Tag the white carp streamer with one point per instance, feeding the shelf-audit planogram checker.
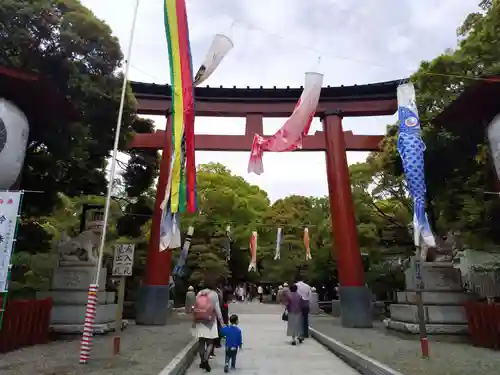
(279, 238)
(221, 45)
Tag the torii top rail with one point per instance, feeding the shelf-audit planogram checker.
(376, 99)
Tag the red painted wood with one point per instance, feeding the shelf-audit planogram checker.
(25, 322)
(158, 106)
(254, 125)
(17, 74)
(211, 142)
(158, 262)
(484, 323)
(348, 255)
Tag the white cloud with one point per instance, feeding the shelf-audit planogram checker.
(275, 43)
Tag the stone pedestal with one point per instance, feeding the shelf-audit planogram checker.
(443, 298)
(69, 293)
(314, 303)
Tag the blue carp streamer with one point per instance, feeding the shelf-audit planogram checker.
(411, 148)
(181, 262)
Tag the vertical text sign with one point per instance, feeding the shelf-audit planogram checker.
(9, 207)
(123, 260)
(418, 274)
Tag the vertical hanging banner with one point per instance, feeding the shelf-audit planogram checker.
(9, 210)
(290, 136)
(228, 243)
(181, 262)
(221, 45)
(180, 195)
(183, 183)
(411, 148)
(279, 238)
(307, 244)
(253, 252)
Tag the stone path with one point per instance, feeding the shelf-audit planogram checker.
(267, 350)
(402, 353)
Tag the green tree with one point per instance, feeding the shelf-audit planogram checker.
(66, 45)
(223, 199)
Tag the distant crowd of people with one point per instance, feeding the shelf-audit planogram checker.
(247, 292)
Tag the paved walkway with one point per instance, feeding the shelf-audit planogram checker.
(267, 350)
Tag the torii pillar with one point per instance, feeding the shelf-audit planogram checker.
(355, 297)
(154, 293)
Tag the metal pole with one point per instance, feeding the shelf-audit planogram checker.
(424, 343)
(115, 147)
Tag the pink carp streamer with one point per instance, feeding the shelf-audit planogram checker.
(253, 252)
(306, 244)
(289, 137)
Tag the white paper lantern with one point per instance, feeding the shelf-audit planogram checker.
(14, 132)
(494, 141)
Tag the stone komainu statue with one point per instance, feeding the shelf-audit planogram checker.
(81, 248)
(446, 248)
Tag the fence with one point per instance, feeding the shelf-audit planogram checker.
(484, 323)
(25, 323)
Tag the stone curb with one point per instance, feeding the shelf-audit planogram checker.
(181, 362)
(362, 363)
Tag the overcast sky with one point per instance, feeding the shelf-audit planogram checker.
(276, 42)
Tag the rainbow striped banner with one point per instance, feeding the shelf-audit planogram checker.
(182, 192)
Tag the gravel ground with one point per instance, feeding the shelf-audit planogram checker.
(403, 353)
(144, 351)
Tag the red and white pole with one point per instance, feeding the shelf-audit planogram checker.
(88, 327)
(90, 312)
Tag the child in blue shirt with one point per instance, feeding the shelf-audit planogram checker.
(232, 333)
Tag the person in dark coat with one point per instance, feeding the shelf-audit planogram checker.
(225, 317)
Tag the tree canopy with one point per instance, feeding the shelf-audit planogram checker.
(65, 44)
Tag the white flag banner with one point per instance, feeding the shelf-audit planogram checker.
(9, 208)
(279, 238)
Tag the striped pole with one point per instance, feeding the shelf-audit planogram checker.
(88, 327)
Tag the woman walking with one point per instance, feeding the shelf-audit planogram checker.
(206, 315)
(294, 309)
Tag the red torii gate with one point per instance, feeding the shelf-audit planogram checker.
(254, 104)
